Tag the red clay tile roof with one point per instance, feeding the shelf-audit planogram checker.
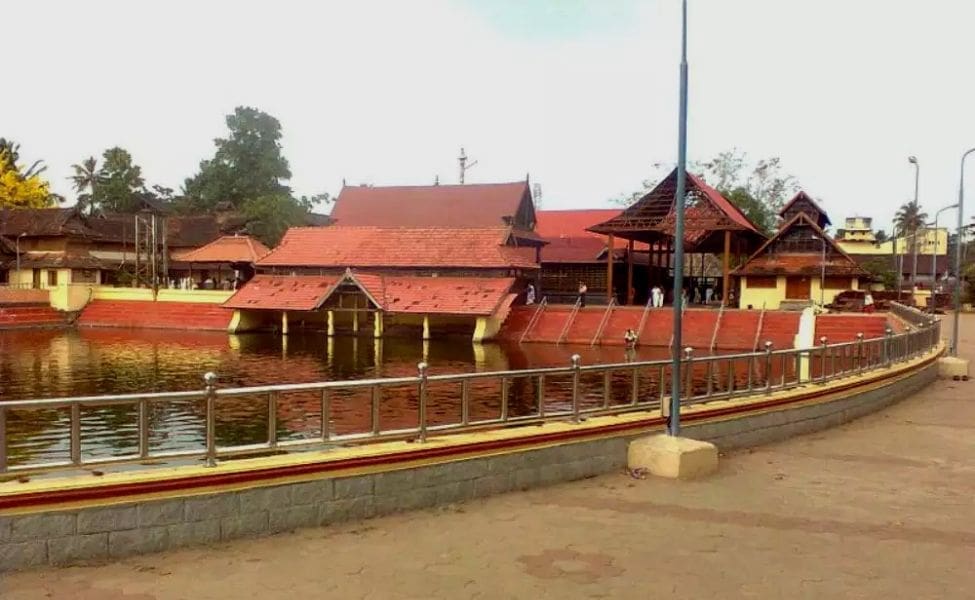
(351, 247)
(436, 295)
(283, 292)
(36, 222)
(392, 293)
(474, 205)
(801, 195)
(765, 262)
(227, 249)
(568, 239)
(722, 203)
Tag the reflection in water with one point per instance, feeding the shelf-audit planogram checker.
(44, 364)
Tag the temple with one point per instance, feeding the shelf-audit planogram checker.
(712, 225)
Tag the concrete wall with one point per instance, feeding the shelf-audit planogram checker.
(772, 298)
(71, 536)
(144, 294)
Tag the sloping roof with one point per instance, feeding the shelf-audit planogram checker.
(454, 206)
(283, 292)
(706, 214)
(351, 247)
(37, 222)
(436, 295)
(568, 237)
(59, 260)
(766, 261)
(475, 296)
(800, 196)
(227, 249)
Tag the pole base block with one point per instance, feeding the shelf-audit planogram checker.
(952, 367)
(672, 457)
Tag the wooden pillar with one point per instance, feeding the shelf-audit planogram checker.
(331, 323)
(377, 325)
(609, 267)
(725, 285)
(355, 314)
(284, 322)
(629, 272)
(426, 327)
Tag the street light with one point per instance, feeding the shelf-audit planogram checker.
(822, 271)
(917, 176)
(675, 381)
(961, 231)
(934, 253)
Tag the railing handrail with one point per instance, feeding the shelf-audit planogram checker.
(758, 330)
(717, 326)
(603, 321)
(535, 317)
(643, 317)
(569, 320)
(833, 361)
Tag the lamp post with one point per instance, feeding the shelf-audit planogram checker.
(958, 239)
(675, 382)
(917, 176)
(822, 272)
(934, 253)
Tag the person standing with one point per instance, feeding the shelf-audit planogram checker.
(530, 294)
(656, 296)
(868, 302)
(583, 289)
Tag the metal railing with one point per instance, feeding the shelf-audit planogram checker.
(643, 317)
(535, 317)
(717, 326)
(758, 330)
(569, 320)
(603, 321)
(587, 390)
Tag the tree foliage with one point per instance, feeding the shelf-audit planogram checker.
(269, 216)
(880, 269)
(120, 186)
(248, 164)
(759, 189)
(85, 181)
(909, 220)
(22, 187)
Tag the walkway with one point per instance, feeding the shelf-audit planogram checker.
(881, 508)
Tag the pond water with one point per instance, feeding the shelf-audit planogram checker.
(49, 364)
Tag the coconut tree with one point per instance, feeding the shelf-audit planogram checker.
(909, 219)
(85, 178)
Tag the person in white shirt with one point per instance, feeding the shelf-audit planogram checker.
(530, 294)
(868, 302)
(656, 296)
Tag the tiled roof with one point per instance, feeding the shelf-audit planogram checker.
(436, 295)
(764, 262)
(351, 247)
(35, 222)
(801, 195)
(59, 260)
(728, 208)
(392, 293)
(227, 249)
(568, 239)
(283, 292)
(474, 205)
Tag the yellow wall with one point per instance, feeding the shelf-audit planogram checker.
(71, 297)
(929, 240)
(198, 296)
(772, 297)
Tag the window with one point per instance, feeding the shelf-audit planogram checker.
(753, 282)
(52, 278)
(84, 276)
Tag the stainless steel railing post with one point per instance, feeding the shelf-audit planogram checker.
(422, 368)
(76, 434)
(272, 419)
(822, 360)
(887, 335)
(326, 415)
(768, 367)
(576, 359)
(211, 408)
(689, 372)
(3, 439)
(143, 428)
(860, 353)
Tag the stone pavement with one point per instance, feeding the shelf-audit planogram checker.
(879, 508)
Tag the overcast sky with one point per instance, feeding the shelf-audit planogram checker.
(581, 95)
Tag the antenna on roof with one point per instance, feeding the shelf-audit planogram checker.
(463, 165)
(537, 194)
(436, 180)
(343, 182)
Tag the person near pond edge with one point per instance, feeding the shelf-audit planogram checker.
(656, 296)
(530, 294)
(583, 289)
(629, 339)
(868, 302)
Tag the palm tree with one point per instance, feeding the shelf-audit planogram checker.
(86, 178)
(909, 219)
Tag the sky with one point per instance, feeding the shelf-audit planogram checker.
(581, 96)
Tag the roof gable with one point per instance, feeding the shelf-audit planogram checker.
(473, 205)
(796, 249)
(803, 202)
(228, 249)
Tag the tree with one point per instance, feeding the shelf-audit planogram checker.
(22, 187)
(880, 236)
(754, 209)
(880, 269)
(119, 186)
(909, 219)
(85, 181)
(247, 165)
(269, 216)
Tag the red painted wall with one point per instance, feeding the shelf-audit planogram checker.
(155, 315)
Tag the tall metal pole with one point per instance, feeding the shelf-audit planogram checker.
(822, 276)
(917, 177)
(676, 348)
(958, 241)
(934, 252)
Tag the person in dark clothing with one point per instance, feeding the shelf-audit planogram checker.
(583, 288)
